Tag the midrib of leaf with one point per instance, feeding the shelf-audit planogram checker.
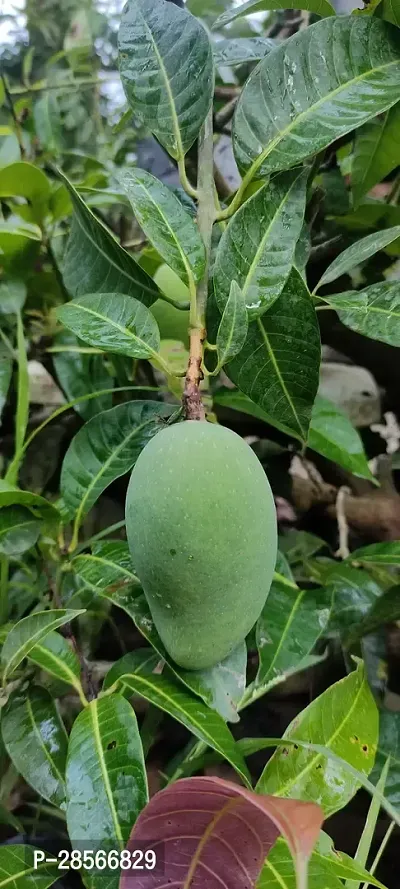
(171, 231)
(124, 330)
(105, 775)
(119, 269)
(110, 564)
(281, 790)
(279, 375)
(40, 739)
(24, 873)
(285, 632)
(276, 874)
(204, 839)
(364, 310)
(309, 112)
(16, 527)
(64, 668)
(261, 245)
(175, 121)
(101, 472)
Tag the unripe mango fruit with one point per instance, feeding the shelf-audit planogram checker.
(173, 323)
(201, 527)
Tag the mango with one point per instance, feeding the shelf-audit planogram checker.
(201, 527)
(173, 323)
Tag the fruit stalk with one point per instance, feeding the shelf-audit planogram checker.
(192, 403)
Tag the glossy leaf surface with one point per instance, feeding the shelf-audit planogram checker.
(374, 312)
(375, 152)
(19, 530)
(358, 253)
(18, 867)
(333, 435)
(113, 322)
(28, 632)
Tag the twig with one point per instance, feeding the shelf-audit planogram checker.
(343, 552)
(227, 92)
(192, 403)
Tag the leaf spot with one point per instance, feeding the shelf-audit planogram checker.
(112, 745)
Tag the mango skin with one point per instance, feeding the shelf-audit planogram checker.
(201, 527)
(173, 323)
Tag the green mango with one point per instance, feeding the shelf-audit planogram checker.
(173, 323)
(201, 527)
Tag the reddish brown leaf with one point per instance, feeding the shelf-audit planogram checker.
(211, 834)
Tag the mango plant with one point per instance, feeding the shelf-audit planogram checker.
(176, 330)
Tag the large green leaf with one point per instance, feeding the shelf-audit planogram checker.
(354, 592)
(233, 327)
(104, 449)
(36, 742)
(205, 724)
(343, 719)
(80, 374)
(169, 227)
(300, 98)
(55, 655)
(106, 780)
(28, 181)
(19, 530)
(94, 261)
(19, 868)
(242, 49)
(12, 496)
(358, 253)
(374, 312)
(320, 7)
(47, 119)
(278, 367)
(113, 322)
(170, 89)
(258, 247)
(289, 625)
(325, 871)
(375, 152)
(333, 435)
(143, 660)
(28, 632)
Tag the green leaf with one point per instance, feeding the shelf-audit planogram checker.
(389, 746)
(12, 496)
(108, 567)
(19, 530)
(26, 181)
(94, 261)
(241, 50)
(375, 152)
(106, 780)
(289, 625)
(205, 724)
(16, 236)
(354, 591)
(310, 100)
(278, 367)
(169, 227)
(257, 249)
(47, 120)
(377, 554)
(113, 322)
(143, 661)
(18, 866)
(343, 719)
(28, 632)
(170, 91)
(220, 687)
(340, 864)
(233, 327)
(384, 610)
(374, 312)
(358, 253)
(333, 435)
(391, 12)
(56, 656)
(79, 374)
(279, 872)
(320, 7)
(12, 297)
(36, 742)
(104, 449)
